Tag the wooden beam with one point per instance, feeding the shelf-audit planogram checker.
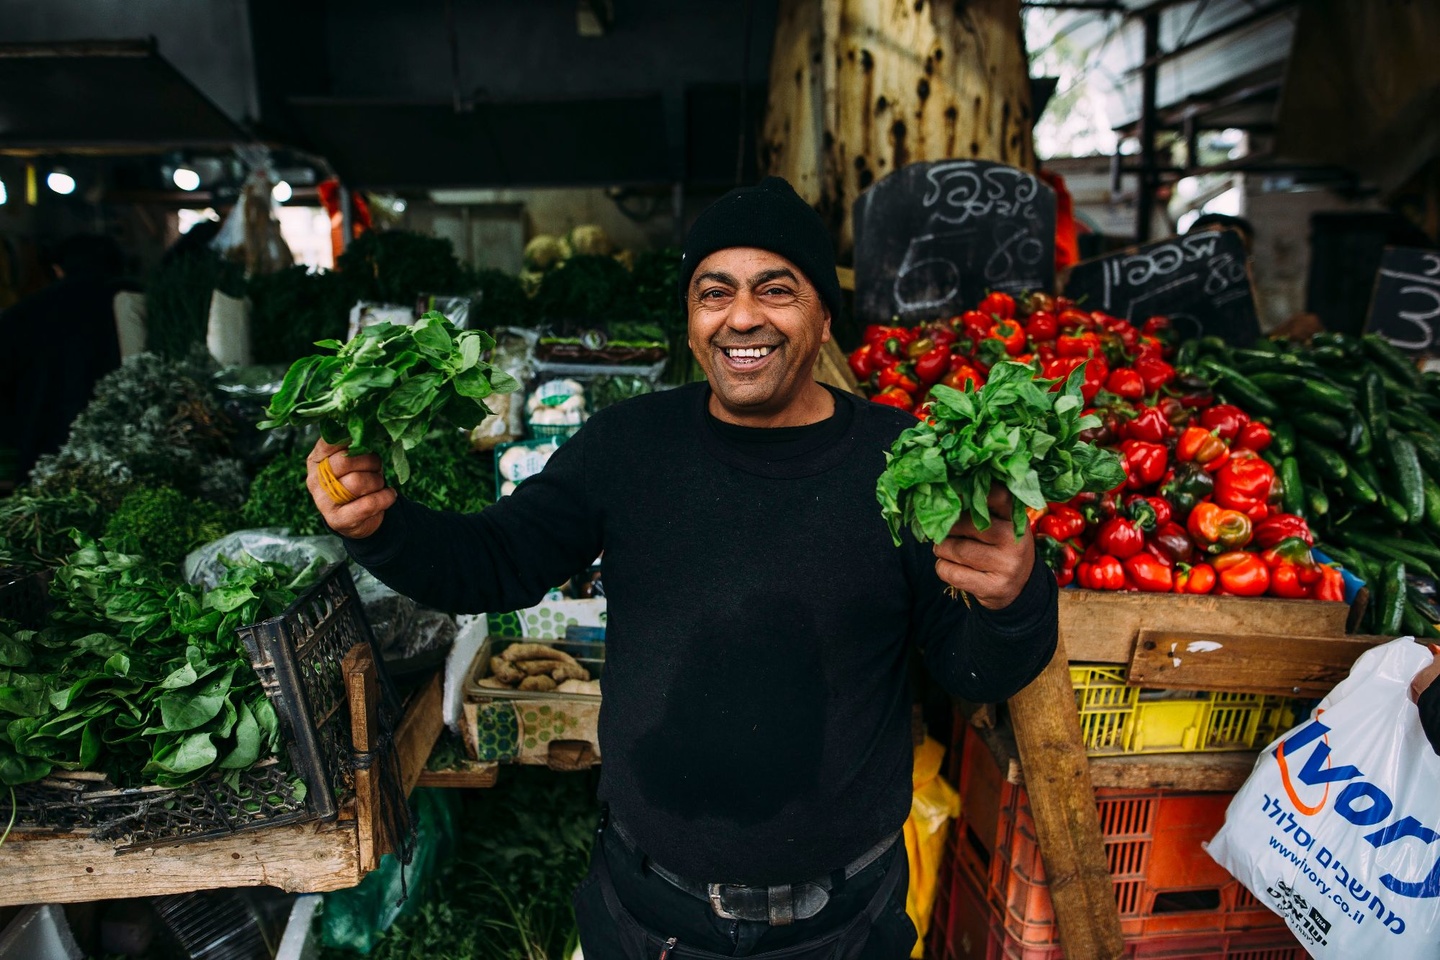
(1102, 627)
(362, 688)
(419, 730)
(307, 858)
(1250, 662)
(472, 776)
(1062, 802)
(832, 367)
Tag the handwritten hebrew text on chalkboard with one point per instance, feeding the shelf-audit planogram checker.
(1406, 307)
(933, 238)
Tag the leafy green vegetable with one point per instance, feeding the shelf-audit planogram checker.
(505, 893)
(163, 524)
(587, 291)
(1014, 431)
(396, 266)
(177, 300)
(278, 498)
(292, 308)
(502, 301)
(34, 527)
(152, 421)
(385, 389)
(138, 676)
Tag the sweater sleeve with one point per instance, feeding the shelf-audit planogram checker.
(507, 556)
(1429, 705)
(979, 654)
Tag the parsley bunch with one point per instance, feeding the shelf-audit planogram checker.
(1014, 431)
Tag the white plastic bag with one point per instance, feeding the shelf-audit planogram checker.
(1338, 828)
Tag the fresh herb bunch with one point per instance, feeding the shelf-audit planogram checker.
(1014, 431)
(177, 300)
(386, 388)
(502, 301)
(396, 266)
(587, 291)
(279, 498)
(137, 676)
(152, 421)
(292, 308)
(505, 893)
(163, 524)
(34, 527)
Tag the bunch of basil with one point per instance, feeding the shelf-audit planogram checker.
(1015, 431)
(386, 388)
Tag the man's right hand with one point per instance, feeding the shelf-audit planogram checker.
(362, 477)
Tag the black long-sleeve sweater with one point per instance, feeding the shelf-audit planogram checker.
(756, 725)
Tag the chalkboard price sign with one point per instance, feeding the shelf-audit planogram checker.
(1199, 281)
(1406, 306)
(933, 238)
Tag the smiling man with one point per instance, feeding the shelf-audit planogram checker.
(755, 730)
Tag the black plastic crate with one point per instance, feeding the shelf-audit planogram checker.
(297, 656)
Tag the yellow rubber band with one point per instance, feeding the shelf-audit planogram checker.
(331, 484)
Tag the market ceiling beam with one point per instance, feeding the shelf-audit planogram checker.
(1257, 15)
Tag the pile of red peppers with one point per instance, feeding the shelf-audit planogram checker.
(1198, 512)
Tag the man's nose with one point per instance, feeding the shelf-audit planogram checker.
(745, 314)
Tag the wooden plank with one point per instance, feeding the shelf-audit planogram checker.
(306, 858)
(1102, 627)
(472, 776)
(847, 278)
(1283, 663)
(419, 730)
(1062, 802)
(1163, 771)
(363, 690)
(833, 368)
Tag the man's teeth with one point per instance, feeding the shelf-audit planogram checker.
(746, 353)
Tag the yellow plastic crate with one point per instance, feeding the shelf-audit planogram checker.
(1116, 719)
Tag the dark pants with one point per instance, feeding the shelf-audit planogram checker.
(670, 912)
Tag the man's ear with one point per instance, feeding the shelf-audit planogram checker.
(825, 336)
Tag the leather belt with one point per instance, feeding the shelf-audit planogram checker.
(777, 905)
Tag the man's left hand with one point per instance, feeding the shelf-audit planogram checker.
(990, 565)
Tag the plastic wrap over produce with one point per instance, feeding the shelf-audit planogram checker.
(206, 565)
(1338, 828)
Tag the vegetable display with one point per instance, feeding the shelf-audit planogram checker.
(163, 524)
(138, 676)
(1016, 431)
(385, 389)
(1354, 439)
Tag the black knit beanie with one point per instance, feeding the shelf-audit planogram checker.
(768, 216)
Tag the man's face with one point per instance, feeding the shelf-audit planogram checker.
(756, 327)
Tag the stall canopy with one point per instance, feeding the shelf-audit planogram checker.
(110, 97)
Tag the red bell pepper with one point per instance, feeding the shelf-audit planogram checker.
(1216, 529)
(1242, 574)
(1011, 334)
(1148, 574)
(1125, 383)
(1059, 369)
(1244, 484)
(1155, 373)
(941, 334)
(1041, 301)
(1120, 537)
(1061, 558)
(1171, 542)
(1225, 420)
(898, 376)
(895, 397)
(1085, 344)
(1197, 579)
(1042, 326)
(1155, 325)
(1149, 424)
(1281, 526)
(879, 333)
(1157, 507)
(1000, 305)
(1103, 573)
(1061, 522)
(1071, 319)
(976, 325)
(1293, 573)
(1331, 585)
(862, 361)
(1145, 463)
(1200, 445)
(1097, 370)
(1253, 436)
(932, 365)
(960, 376)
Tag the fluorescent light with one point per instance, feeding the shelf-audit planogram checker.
(400, 205)
(185, 178)
(281, 192)
(61, 182)
(3, 195)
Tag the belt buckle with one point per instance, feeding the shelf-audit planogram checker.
(717, 904)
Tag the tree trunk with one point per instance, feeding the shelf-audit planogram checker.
(859, 88)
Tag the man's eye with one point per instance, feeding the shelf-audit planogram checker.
(777, 291)
(711, 294)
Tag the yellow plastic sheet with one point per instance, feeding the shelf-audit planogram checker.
(934, 805)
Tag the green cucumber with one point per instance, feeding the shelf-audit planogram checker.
(1414, 622)
(1394, 510)
(1428, 448)
(1317, 503)
(1372, 403)
(1278, 383)
(1392, 361)
(1239, 388)
(1282, 437)
(1323, 396)
(1432, 503)
(1358, 489)
(1326, 460)
(1322, 427)
(1390, 598)
(1390, 548)
(1292, 487)
(1406, 472)
(1359, 440)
